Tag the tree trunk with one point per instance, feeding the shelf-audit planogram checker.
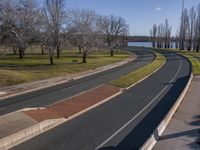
(84, 57)
(194, 45)
(14, 50)
(197, 48)
(198, 45)
(42, 49)
(58, 50)
(190, 45)
(79, 48)
(51, 61)
(111, 52)
(21, 53)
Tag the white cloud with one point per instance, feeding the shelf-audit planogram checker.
(158, 8)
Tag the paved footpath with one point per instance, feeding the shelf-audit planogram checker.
(183, 131)
(14, 122)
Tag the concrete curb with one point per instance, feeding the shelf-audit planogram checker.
(28, 133)
(2, 93)
(149, 144)
(21, 110)
(94, 106)
(117, 64)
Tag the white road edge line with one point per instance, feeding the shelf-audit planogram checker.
(125, 125)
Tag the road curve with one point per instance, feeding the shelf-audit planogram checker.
(47, 96)
(125, 122)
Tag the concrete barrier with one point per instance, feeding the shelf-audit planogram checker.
(149, 144)
(28, 133)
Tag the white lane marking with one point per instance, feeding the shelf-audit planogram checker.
(125, 125)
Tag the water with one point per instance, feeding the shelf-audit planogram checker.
(143, 44)
(140, 44)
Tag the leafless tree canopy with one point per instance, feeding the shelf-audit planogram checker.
(23, 21)
(112, 28)
(55, 13)
(82, 26)
(161, 35)
(153, 34)
(52, 20)
(19, 19)
(187, 36)
(189, 32)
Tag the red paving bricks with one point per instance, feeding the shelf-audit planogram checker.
(75, 104)
(42, 114)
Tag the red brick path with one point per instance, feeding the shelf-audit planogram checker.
(75, 104)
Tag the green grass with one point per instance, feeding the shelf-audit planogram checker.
(36, 67)
(195, 62)
(133, 77)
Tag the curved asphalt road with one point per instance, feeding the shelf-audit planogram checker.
(125, 122)
(47, 96)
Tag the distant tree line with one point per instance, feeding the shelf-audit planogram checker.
(161, 35)
(138, 38)
(23, 22)
(187, 36)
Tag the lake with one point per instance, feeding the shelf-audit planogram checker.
(143, 44)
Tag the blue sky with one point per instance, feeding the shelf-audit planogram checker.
(139, 14)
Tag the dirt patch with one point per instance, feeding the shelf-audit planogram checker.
(75, 104)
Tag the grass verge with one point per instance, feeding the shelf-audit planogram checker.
(133, 77)
(195, 63)
(35, 67)
(192, 56)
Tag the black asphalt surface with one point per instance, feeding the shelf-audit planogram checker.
(125, 122)
(54, 94)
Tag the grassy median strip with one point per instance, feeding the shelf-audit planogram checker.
(133, 77)
(194, 61)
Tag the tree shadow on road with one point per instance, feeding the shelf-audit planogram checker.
(137, 137)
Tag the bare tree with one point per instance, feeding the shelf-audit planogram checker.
(160, 36)
(74, 38)
(20, 20)
(184, 29)
(113, 28)
(153, 34)
(177, 40)
(197, 29)
(167, 34)
(55, 10)
(52, 19)
(82, 26)
(191, 27)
